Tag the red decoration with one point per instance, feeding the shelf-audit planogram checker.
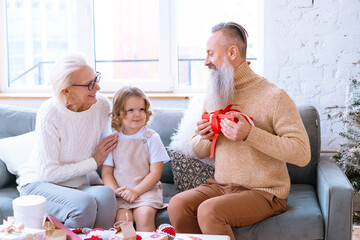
(77, 230)
(167, 229)
(215, 119)
(96, 234)
(93, 238)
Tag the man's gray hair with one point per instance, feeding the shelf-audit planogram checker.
(61, 74)
(235, 34)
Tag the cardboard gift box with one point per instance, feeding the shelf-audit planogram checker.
(126, 230)
(56, 230)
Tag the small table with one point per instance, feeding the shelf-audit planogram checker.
(186, 235)
(182, 236)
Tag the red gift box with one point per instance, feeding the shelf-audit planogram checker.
(215, 123)
(215, 119)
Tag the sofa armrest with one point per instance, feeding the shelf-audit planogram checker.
(335, 195)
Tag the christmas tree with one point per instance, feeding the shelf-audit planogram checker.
(348, 157)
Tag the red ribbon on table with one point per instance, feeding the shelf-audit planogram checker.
(217, 116)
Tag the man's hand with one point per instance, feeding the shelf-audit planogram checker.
(204, 129)
(235, 131)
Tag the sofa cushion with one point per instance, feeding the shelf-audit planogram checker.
(165, 121)
(189, 172)
(15, 151)
(167, 174)
(301, 220)
(16, 120)
(162, 215)
(307, 174)
(6, 196)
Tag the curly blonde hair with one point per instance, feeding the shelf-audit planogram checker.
(118, 112)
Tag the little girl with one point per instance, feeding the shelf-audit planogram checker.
(135, 170)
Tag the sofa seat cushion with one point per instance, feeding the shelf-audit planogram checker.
(302, 219)
(5, 177)
(6, 196)
(162, 215)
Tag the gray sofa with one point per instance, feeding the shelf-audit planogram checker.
(319, 203)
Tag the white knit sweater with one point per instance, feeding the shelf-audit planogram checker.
(65, 143)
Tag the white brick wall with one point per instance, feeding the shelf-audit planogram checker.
(311, 50)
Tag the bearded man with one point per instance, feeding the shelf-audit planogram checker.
(251, 178)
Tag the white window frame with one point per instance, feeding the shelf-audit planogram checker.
(168, 75)
(86, 46)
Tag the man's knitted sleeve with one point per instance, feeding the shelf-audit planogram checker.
(290, 143)
(200, 147)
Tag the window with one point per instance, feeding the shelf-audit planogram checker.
(127, 44)
(194, 22)
(37, 32)
(158, 45)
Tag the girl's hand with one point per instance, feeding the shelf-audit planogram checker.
(129, 195)
(106, 145)
(118, 191)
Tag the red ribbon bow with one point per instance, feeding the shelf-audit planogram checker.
(217, 116)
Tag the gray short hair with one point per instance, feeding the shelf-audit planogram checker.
(62, 72)
(235, 34)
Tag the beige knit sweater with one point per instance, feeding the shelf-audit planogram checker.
(278, 137)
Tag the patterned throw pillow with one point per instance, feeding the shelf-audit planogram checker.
(189, 172)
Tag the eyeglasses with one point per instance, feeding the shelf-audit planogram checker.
(91, 84)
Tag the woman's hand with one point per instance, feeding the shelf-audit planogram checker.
(106, 145)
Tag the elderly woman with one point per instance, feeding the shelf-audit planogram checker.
(73, 139)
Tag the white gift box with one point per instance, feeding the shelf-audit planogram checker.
(36, 234)
(30, 210)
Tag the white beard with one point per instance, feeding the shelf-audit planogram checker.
(220, 88)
